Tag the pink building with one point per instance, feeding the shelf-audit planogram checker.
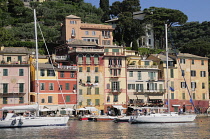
(14, 69)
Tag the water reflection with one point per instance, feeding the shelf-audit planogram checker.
(110, 130)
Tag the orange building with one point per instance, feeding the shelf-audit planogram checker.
(73, 28)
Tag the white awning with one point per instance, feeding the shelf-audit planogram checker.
(155, 97)
(82, 109)
(91, 108)
(132, 97)
(68, 109)
(119, 107)
(23, 107)
(175, 105)
(48, 108)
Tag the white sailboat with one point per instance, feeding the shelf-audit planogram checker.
(163, 117)
(11, 120)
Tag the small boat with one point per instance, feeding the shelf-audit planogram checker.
(97, 118)
(122, 119)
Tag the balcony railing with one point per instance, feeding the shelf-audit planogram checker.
(14, 63)
(115, 91)
(13, 93)
(61, 58)
(114, 66)
(67, 67)
(145, 91)
(142, 67)
(114, 54)
(90, 50)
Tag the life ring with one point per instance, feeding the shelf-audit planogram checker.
(13, 122)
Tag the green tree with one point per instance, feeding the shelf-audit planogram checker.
(104, 5)
(160, 16)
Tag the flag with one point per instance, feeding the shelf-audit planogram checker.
(166, 102)
(171, 89)
(191, 101)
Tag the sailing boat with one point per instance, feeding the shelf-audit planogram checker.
(165, 117)
(12, 120)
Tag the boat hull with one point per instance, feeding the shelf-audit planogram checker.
(162, 118)
(34, 122)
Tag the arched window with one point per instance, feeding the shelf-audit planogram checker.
(96, 59)
(87, 59)
(80, 59)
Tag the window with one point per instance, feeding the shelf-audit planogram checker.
(151, 86)
(88, 69)
(88, 91)
(182, 72)
(139, 75)
(172, 95)
(62, 74)
(108, 99)
(106, 34)
(89, 102)
(193, 95)
(96, 59)
(203, 73)
(21, 87)
(115, 98)
(151, 75)
(96, 91)
(204, 96)
(67, 98)
(146, 63)
(193, 85)
(115, 86)
(50, 99)
(51, 86)
(193, 73)
(73, 22)
(172, 84)
(172, 73)
(86, 32)
(96, 69)
(72, 74)
(87, 59)
(21, 100)
(67, 86)
(42, 100)
(183, 95)
(80, 91)
(42, 86)
(88, 79)
(93, 33)
(183, 84)
(110, 61)
(21, 72)
(9, 59)
(130, 73)
(131, 86)
(193, 61)
(203, 85)
(202, 62)
(80, 69)
(97, 102)
(5, 72)
(115, 50)
(20, 59)
(139, 87)
(74, 87)
(5, 88)
(80, 59)
(149, 41)
(50, 73)
(182, 61)
(4, 100)
(60, 87)
(73, 33)
(80, 103)
(42, 72)
(96, 79)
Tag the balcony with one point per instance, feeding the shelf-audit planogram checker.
(13, 94)
(114, 54)
(115, 66)
(145, 91)
(86, 50)
(61, 58)
(14, 63)
(67, 67)
(142, 67)
(115, 91)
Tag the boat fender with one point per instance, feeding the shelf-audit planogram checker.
(20, 122)
(13, 122)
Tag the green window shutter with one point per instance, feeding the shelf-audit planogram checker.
(172, 73)
(21, 72)
(67, 98)
(50, 99)
(97, 102)
(96, 79)
(97, 91)
(5, 88)
(5, 72)
(4, 100)
(172, 95)
(88, 79)
(21, 100)
(115, 50)
(183, 95)
(88, 91)
(21, 87)
(88, 101)
(96, 69)
(80, 69)
(67, 86)
(80, 91)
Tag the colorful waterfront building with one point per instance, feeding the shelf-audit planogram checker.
(88, 57)
(15, 77)
(144, 85)
(115, 78)
(73, 28)
(187, 80)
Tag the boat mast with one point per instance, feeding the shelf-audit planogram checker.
(167, 91)
(37, 68)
